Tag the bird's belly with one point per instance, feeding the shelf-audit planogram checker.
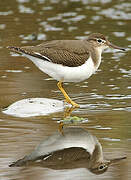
(64, 73)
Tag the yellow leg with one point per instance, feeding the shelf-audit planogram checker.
(67, 98)
(68, 111)
(61, 125)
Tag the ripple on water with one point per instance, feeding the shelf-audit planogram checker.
(126, 73)
(2, 26)
(5, 13)
(111, 139)
(115, 14)
(49, 27)
(23, 9)
(117, 96)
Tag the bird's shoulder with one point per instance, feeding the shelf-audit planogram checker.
(76, 46)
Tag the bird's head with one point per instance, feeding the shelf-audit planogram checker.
(101, 42)
(101, 167)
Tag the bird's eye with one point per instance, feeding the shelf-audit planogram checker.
(99, 40)
(101, 167)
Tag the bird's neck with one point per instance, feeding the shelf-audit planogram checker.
(96, 57)
(97, 155)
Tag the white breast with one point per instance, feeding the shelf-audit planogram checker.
(64, 73)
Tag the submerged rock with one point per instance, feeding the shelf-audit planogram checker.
(34, 107)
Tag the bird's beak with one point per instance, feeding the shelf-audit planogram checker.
(112, 161)
(114, 46)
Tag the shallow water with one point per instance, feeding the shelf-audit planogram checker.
(105, 98)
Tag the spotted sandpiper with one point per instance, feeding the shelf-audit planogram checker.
(76, 149)
(68, 60)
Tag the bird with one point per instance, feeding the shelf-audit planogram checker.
(78, 148)
(68, 60)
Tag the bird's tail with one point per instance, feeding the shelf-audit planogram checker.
(20, 162)
(15, 49)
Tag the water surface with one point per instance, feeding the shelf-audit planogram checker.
(105, 97)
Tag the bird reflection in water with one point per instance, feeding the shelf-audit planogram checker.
(77, 148)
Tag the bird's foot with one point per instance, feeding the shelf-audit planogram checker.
(68, 111)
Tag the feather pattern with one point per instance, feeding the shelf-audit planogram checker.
(70, 53)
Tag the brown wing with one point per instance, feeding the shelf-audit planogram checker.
(66, 155)
(62, 156)
(66, 52)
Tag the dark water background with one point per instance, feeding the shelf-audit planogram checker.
(106, 96)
